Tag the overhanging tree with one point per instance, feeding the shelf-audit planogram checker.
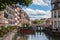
(4, 3)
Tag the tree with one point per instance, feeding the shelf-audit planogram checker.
(36, 21)
(25, 2)
(25, 24)
(4, 3)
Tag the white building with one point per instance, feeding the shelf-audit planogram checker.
(55, 13)
(12, 15)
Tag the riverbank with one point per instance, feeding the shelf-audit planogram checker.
(9, 36)
(52, 32)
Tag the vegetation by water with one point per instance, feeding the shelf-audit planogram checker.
(25, 24)
(5, 30)
(36, 21)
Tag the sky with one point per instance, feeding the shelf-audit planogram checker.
(39, 9)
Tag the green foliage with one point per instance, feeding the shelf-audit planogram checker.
(3, 3)
(36, 21)
(4, 30)
(25, 2)
(10, 28)
(25, 24)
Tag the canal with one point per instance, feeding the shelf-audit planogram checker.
(36, 36)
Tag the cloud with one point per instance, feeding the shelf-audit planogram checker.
(47, 1)
(37, 14)
(41, 2)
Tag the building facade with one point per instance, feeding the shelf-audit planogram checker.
(49, 21)
(3, 21)
(55, 13)
(12, 15)
(15, 15)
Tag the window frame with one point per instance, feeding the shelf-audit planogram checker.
(58, 5)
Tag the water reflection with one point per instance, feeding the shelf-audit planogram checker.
(38, 36)
(53, 37)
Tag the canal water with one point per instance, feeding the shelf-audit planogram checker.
(36, 36)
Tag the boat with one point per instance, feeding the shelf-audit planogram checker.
(26, 30)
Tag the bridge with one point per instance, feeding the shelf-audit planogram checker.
(39, 27)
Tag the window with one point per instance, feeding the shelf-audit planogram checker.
(53, 6)
(7, 9)
(52, 23)
(55, 24)
(11, 17)
(58, 23)
(59, 14)
(58, 4)
(11, 22)
(5, 15)
(54, 14)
